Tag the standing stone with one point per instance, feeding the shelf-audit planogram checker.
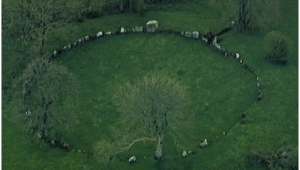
(195, 34)
(152, 26)
(188, 34)
(139, 29)
(122, 30)
(132, 159)
(203, 143)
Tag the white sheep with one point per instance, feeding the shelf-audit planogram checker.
(108, 33)
(241, 61)
(237, 55)
(184, 154)
(69, 46)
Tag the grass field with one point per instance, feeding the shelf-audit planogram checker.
(220, 90)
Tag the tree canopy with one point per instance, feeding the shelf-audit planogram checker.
(43, 94)
(156, 101)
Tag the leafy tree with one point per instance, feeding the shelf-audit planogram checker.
(43, 94)
(277, 47)
(285, 158)
(156, 101)
(31, 20)
(254, 15)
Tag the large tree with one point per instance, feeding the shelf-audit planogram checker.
(31, 20)
(156, 101)
(44, 94)
(254, 15)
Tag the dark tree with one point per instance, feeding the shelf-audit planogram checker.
(254, 15)
(277, 47)
(43, 94)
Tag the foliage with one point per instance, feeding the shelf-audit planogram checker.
(285, 158)
(156, 101)
(277, 47)
(254, 15)
(42, 94)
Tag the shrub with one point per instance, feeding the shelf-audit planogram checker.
(285, 158)
(277, 47)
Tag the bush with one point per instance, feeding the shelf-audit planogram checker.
(277, 47)
(285, 158)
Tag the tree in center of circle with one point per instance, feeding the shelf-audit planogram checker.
(156, 101)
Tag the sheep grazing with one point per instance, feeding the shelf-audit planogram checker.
(256, 78)
(75, 43)
(99, 34)
(237, 55)
(258, 85)
(108, 33)
(232, 22)
(86, 38)
(241, 61)
(203, 143)
(79, 40)
(69, 46)
(132, 159)
(184, 154)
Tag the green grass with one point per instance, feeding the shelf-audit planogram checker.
(219, 87)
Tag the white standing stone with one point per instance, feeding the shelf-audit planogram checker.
(203, 143)
(195, 34)
(152, 26)
(132, 159)
(139, 29)
(122, 30)
(99, 34)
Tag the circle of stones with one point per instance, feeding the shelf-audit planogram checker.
(207, 37)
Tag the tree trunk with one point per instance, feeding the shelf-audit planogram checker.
(121, 5)
(243, 15)
(159, 147)
(130, 4)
